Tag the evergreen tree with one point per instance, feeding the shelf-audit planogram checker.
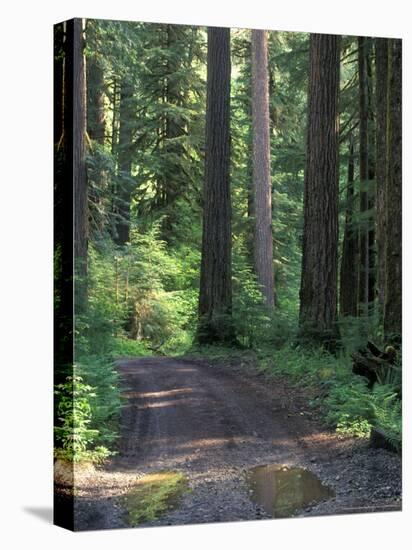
(366, 279)
(170, 128)
(215, 297)
(75, 137)
(392, 320)
(262, 203)
(381, 54)
(318, 294)
(348, 274)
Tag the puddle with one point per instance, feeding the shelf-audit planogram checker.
(282, 490)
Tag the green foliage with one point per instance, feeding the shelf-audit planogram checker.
(356, 427)
(74, 413)
(392, 376)
(355, 409)
(250, 318)
(347, 404)
(386, 413)
(125, 347)
(105, 406)
(101, 171)
(303, 366)
(348, 408)
(162, 298)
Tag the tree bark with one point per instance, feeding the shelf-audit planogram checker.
(393, 288)
(58, 67)
(75, 132)
(263, 239)
(348, 276)
(95, 101)
(363, 281)
(318, 292)
(381, 56)
(371, 178)
(124, 183)
(63, 206)
(215, 298)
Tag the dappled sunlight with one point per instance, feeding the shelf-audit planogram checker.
(213, 442)
(164, 393)
(161, 404)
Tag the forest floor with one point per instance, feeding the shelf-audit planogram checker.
(213, 421)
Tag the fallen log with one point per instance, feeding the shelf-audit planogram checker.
(379, 440)
(372, 362)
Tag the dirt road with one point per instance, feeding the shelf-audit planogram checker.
(214, 422)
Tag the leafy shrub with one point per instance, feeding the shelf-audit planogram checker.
(126, 347)
(357, 427)
(162, 289)
(74, 412)
(99, 373)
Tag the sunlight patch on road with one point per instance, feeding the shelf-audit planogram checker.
(153, 495)
(164, 393)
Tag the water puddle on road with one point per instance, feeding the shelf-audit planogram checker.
(283, 490)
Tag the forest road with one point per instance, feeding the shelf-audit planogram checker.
(214, 421)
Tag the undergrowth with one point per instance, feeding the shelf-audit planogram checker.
(342, 398)
(76, 437)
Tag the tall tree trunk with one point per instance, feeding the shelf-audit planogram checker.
(318, 292)
(96, 120)
(124, 180)
(215, 298)
(58, 67)
(381, 56)
(63, 205)
(363, 281)
(348, 276)
(75, 131)
(96, 129)
(263, 239)
(115, 110)
(393, 288)
(371, 178)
